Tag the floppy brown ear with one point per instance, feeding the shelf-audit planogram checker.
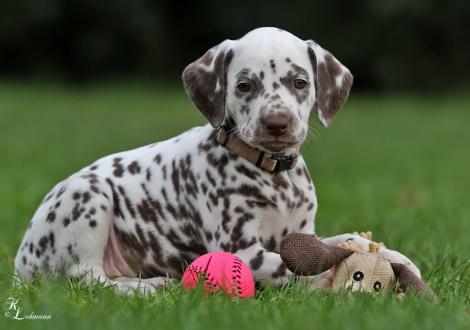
(407, 279)
(332, 82)
(205, 81)
(304, 254)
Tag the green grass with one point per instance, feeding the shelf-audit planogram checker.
(399, 166)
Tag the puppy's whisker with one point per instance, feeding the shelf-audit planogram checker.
(313, 133)
(231, 133)
(232, 130)
(310, 134)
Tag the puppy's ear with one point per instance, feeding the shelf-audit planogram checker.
(332, 82)
(205, 81)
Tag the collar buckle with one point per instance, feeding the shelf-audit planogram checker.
(284, 163)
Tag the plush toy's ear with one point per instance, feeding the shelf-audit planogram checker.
(332, 82)
(305, 255)
(407, 279)
(206, 81)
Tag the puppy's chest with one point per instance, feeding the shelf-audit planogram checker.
(294, 212)
(286, 203)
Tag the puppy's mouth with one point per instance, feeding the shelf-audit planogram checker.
(277, 145)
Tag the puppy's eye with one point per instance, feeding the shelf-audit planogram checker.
(358, 276)
(300, 83)
(377, 286)
(244, 87)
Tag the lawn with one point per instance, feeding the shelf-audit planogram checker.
(396, 165)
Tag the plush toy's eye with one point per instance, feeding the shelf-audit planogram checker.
(358, 276)
(377, 286)
(300, 83)
(244, 87)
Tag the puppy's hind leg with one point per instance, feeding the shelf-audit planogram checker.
(93, 273)
(91, 241)
(116, 268)
(69, 234)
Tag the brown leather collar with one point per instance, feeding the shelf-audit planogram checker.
(262, 159)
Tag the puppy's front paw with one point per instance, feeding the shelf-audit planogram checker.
(320, 281)
(397, 257)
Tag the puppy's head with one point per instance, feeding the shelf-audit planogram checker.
(265, 85)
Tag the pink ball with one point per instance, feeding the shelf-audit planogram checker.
(220, 271)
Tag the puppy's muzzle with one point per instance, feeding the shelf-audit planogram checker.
(277, 124)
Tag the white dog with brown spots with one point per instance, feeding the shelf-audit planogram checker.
(136, 218)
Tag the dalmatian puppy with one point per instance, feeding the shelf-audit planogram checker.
(239, 184)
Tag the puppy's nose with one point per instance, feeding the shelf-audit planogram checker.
(276, 124)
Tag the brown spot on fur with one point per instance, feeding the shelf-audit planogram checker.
(86, 197)
(219, 163)
(51, 217)
(116, 201)
(134, 168)
(270, 244)
(204, 188)
(147, 212)
(257, 86)
(284, 232)
(175, 178)
(329, 97)
(208, 235)
(207, 58)
(288, 81)
(245, 109)
(164, 171)
(279, 181)
(127, 201)
(201, 84)
(281, 271)
(257, 261)
(60, 192)
(118, 168)
(272, 65)
(252, 174)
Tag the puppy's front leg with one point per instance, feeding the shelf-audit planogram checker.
(391, 255)
(266, 266)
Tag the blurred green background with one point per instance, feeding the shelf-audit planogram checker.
(396, 44)
(83, 79)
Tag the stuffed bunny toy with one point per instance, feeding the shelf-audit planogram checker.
(366, 271)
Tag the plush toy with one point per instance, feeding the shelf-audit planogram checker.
(352, 269)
